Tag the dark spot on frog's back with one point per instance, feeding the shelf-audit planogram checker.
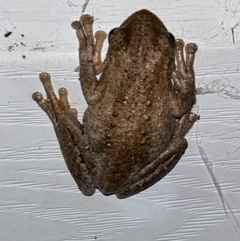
(114, 114)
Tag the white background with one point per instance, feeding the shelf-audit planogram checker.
(38, 197)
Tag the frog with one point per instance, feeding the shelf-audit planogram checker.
(140, 100)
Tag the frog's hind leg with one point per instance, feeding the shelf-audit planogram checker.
(164, 163)
(155, 170)
(69, 132)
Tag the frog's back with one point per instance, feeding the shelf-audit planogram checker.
(129, 127)
(132, 123)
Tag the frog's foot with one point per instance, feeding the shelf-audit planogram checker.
(155, 170)
(183, 76)
(185, 67)
(69, 132)
(89, 50)
(184, 124)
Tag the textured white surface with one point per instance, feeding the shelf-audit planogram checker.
(39, 199)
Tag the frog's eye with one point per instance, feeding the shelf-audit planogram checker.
(171, 39)
(111, 33)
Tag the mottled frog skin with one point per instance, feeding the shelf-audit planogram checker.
(139, 110)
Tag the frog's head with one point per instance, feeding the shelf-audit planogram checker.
(142, 34)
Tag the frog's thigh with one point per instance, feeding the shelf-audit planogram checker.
(155, 170)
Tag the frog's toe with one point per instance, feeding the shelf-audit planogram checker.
(86, 19)
(38, 97)
(179, 44)
(84, 29)
(191, 48)
(76, 25)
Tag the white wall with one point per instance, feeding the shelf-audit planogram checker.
(39, 199)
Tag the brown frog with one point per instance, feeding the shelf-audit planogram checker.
(139, 110)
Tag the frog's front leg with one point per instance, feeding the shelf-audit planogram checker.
(90, 58)
(183, 95)
(70, 134)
